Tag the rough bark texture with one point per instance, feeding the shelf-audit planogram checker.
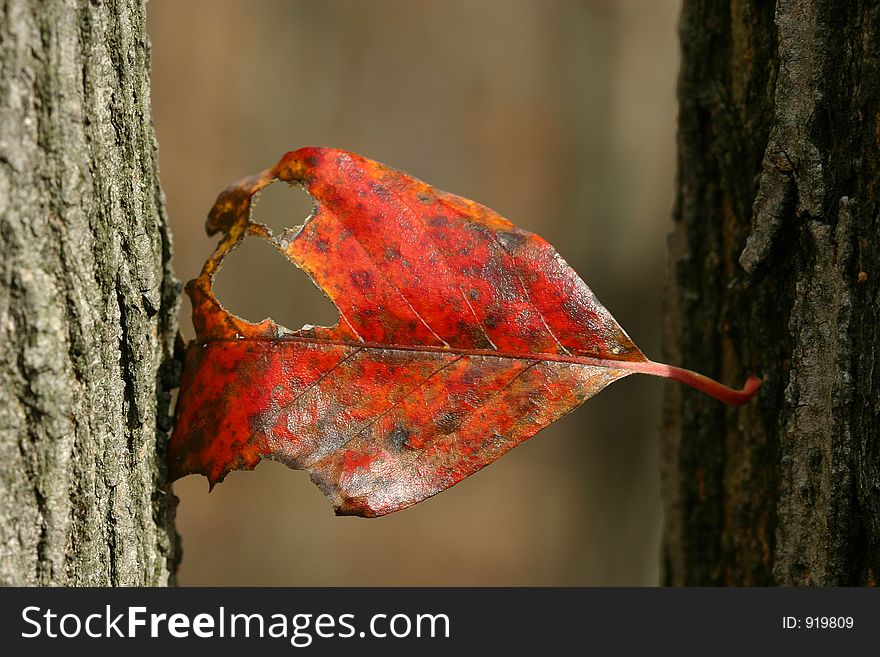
(774, 270)
(87, 301)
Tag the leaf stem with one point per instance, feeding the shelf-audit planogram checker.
(702, 383)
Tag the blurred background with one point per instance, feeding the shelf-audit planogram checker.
(558, 114)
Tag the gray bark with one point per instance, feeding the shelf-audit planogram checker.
(87, 301)
(775, 270)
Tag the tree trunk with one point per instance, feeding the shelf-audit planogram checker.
(774, 270)
(87, 301)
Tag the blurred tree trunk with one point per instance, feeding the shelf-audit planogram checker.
(87, 301)
(774, 270)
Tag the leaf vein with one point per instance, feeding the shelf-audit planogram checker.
(385, 412)
(281, 409)
(443, 255)
(467, 418)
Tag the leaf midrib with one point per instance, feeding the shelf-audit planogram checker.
(609, 363)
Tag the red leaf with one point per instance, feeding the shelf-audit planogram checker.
(460, 336)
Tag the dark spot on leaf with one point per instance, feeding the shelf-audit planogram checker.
(504, 281)
(573, 309)
(322, 245)
(438, 221)
(397, 438)
(507, 287)
(491, 321)
(362, 279)
(511, 241)
(379, 191)
(446, 422)
(470, 376)
(312, 161)
(424, 198)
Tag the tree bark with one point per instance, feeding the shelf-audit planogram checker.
(774, 270)
(88, 301)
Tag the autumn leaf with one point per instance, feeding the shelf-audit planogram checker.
(459, 336)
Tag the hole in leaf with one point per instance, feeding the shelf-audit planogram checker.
(256, 282)
(281, 206)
